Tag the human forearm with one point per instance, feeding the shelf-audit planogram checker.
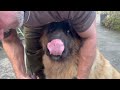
(87, 56)
(87, 51)
(15, 51)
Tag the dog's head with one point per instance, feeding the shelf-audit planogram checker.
(60, 40)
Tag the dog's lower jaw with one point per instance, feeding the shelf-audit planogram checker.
(59, 70)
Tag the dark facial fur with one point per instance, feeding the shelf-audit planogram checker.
(65, 32)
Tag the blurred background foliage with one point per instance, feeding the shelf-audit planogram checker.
(110, 19)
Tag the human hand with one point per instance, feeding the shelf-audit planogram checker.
(23, 77)
(28, 77)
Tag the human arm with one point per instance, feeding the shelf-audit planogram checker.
(15, 52)
(87, 52)
(11, 43)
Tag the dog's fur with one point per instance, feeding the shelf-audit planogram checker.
(67, 66)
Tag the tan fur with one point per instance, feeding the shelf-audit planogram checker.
(101, 68)
(67, 69)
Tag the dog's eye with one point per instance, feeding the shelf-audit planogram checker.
(51, 30)
(68, 31)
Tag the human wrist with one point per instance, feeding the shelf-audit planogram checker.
(22, 76)
(81, 77)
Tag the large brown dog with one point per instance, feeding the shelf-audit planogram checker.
(64, 66)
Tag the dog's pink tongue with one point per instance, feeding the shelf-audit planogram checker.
(1, 34)
(55, 47)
